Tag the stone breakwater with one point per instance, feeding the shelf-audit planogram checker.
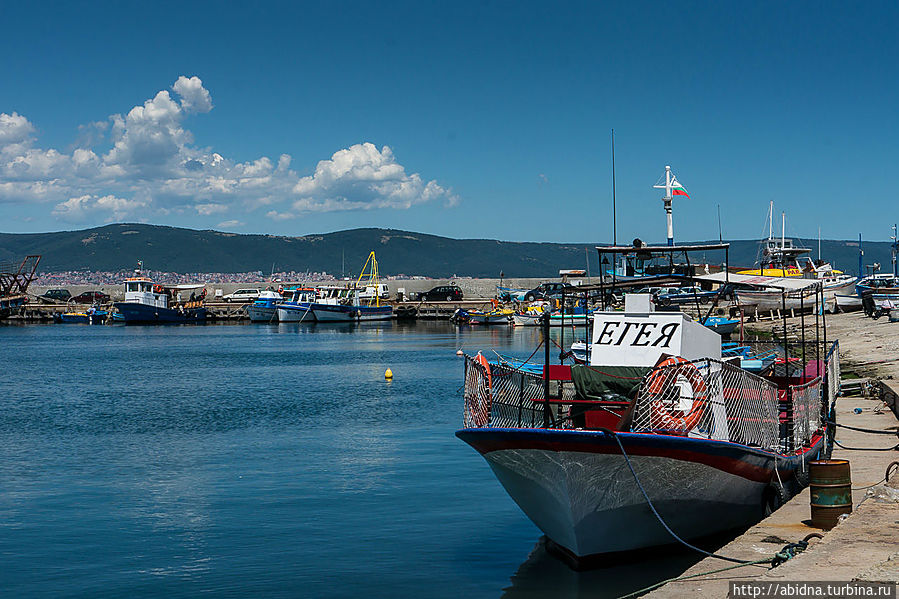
(471, 288)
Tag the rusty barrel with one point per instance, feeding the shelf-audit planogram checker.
(831, 491)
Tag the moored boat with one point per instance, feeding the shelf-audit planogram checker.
(265, 307)
(658, 415)
(298, 307)
(147, 302)
(346, 305)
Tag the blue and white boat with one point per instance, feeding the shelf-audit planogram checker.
(147, 302)
(298, 307)
(721, 325)
(344, 304)
(265, 307)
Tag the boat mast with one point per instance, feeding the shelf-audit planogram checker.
(783, 243)
(771, 220)
(895, 247)
(667, 202)
(614, 224)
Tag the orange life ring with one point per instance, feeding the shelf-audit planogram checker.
(157, 288)
(666, 375)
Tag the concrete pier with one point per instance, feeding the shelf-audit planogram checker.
(865, 546)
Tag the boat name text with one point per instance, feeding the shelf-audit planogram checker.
(644, 334)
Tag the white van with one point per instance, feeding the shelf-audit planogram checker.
(243, 295)
(369, 292)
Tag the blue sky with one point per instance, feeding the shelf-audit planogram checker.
(486, 119)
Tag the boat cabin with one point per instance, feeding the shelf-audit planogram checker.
(142, 290)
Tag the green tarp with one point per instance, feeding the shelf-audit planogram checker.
(598, 382)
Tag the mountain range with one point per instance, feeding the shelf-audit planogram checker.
(162, 248)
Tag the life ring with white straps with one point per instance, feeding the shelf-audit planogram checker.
(676, 372)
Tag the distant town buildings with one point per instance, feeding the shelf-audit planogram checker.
(88, 277)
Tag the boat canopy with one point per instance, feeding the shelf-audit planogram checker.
(782, 283)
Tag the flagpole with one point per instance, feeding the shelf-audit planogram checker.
(614, 224)
(667, 202)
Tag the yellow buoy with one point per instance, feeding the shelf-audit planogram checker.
(388, 374)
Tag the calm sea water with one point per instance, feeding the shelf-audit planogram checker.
(261, 460)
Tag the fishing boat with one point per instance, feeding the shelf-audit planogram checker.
(656, 417)
(848, 302)
(721, 325)
(15, 277)
(91, 316)
(349, 306)
(265, 307)
(147, 302)
(495, 316)
(576, 317)
(298, 307)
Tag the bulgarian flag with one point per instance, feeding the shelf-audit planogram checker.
(678, 190)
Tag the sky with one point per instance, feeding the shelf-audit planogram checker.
(463, 119)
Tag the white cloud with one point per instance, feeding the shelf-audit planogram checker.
(147, 161)
(194, 97)
(14, 128)
(230, 224)
(208, 209)
(76, 209)
(361, 178)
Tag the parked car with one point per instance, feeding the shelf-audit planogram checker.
(91, 297)
(449, 293)
(684, 295)
(243, 295)
(544, 291)
(55, 295)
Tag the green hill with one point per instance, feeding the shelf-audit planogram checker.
(172, 249)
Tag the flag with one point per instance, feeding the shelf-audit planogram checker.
(678, 190)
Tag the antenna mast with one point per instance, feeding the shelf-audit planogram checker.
(671, 187)
(614, 224)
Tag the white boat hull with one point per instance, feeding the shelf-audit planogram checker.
(589, 503)
(848, 303)
(263, 313)
(295, 314)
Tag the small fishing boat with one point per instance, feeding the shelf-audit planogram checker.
(495, 316)
(147, 302)
(298, 307)
(848, 303)
(265, 307)
(721, 325)
(92, 316)
(658, 418)
(348, 305)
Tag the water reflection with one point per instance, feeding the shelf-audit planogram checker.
(545, 575)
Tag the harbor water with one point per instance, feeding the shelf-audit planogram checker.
(270, 460)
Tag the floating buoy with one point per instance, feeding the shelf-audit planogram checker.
(388, 374)
(459, 352)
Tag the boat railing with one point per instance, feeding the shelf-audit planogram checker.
(507, 397)
(709, 399)
(805, 415)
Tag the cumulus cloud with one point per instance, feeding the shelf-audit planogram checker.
(76, 209)
(230, 224)
(14, 128)
(363, 177)
(145, 163)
